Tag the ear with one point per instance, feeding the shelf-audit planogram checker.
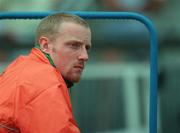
(44, 44)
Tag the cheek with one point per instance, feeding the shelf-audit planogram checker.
(64, 59)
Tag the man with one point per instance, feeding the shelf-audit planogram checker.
(34, 94)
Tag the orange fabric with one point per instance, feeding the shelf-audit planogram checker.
(34, 97)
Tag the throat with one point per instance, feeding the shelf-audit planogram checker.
(69, 83)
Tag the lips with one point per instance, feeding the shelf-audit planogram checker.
(79, 67)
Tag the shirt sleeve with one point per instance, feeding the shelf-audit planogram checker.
(44, 111)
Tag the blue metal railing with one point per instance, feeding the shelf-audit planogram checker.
(113, 15)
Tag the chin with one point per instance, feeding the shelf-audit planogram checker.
(75, 79)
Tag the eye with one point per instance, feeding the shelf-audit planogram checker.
(74, 45)
(88, 47)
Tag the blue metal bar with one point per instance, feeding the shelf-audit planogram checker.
(113, 15)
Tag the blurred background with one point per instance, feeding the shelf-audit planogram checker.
(113, 95)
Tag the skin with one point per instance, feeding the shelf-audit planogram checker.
(69, 50)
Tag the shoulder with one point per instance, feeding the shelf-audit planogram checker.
(40, 74)
(38, 80)
(34, 72)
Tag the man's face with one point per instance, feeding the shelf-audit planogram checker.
(70, 50)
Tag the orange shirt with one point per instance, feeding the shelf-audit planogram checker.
(34, 97)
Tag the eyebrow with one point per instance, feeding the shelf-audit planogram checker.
(77, 41)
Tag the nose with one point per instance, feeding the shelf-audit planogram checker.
(83, 55)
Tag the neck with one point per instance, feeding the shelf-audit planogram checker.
(68, 83)
(47, 55)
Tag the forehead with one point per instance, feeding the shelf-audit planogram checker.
(74, 30)
(72, 27)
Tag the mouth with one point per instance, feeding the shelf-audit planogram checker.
(80, 67)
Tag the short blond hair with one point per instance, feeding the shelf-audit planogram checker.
(49, 26)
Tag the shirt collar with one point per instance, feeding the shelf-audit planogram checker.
(47, 59)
